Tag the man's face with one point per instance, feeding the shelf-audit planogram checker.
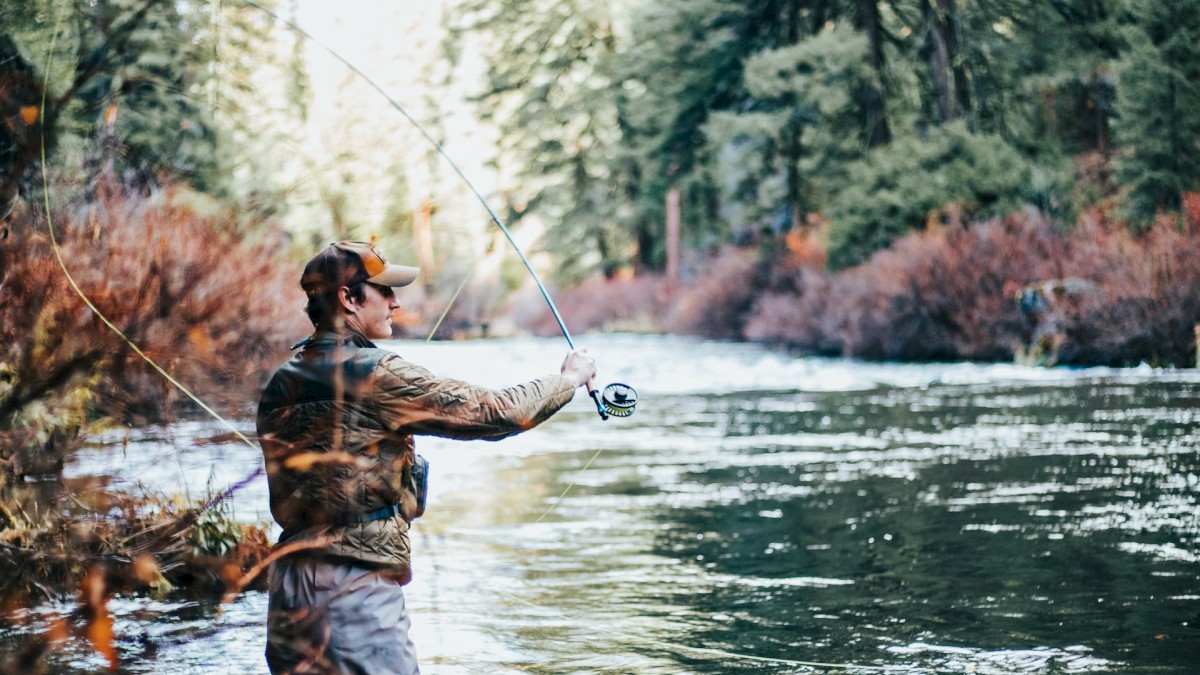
(374, 314)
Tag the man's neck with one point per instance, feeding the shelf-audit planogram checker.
(343, 334)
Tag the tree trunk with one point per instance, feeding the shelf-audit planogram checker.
(793, 150)
(673, 234)
(937, 15)
(870, 98)
(423, 237)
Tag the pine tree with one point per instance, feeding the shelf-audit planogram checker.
(141, 91)
(687, 71)
(146, 108)
(553, 95)
(1064, 71)
(1158, 103)
(800, 125)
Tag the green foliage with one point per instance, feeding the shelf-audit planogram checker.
(685, 84)
(763, 113)
(153, 92)
(135, 81)
(893, 191)
(777, 158)
(215, 533)
(552, 94)
(1159, 108)
(1061, 74)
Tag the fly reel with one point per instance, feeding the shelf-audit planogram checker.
(617, 400)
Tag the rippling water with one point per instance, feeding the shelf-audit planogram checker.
(762, 513)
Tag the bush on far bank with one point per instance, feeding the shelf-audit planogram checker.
(1015, 287)
(1008, 287)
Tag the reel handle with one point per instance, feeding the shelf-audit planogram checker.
(595, 394)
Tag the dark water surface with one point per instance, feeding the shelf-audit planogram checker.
(766, 514)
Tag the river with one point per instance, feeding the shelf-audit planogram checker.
(759, 513)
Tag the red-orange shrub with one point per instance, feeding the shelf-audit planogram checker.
(212, 308)
(598, 304)
(715, 301)
(947, 293)
(795, 307)
(1150, 295)
(951, 292)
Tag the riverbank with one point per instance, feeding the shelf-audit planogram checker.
(78, 543)
(1022, 288)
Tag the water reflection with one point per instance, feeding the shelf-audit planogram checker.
(761, 513)
(1001, 529)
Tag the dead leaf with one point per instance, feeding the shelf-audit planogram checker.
(145, 569)
(99, 623)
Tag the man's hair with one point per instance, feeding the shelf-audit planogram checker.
(323, 308)
(347, 264)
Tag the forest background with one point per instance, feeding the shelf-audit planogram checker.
(883, 179)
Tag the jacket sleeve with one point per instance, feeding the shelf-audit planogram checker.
(414, 400)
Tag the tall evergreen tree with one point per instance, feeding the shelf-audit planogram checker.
(870, 94)
(552, 93)
(147, 108)
(1159, 107)
(688, 63)
(135, 90)
(1071, 49)
(684, 62)
(800, 126)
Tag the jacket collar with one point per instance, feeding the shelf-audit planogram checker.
(333, 337)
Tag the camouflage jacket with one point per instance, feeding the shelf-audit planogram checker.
(336, 425)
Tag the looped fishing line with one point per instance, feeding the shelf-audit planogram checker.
(96, 310)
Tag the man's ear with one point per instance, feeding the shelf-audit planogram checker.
(344, 298)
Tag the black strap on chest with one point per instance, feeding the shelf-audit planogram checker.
(356, 517)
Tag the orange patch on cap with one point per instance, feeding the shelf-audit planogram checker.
(29, 114)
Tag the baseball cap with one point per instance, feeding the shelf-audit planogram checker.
(346, 263)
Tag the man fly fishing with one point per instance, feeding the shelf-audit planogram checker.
(336, 424)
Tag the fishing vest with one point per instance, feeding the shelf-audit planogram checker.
(337, 423)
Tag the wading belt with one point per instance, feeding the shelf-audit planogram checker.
(344, 519)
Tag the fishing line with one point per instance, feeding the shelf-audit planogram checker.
(438, 323)
(567, 489)
(79, 291)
